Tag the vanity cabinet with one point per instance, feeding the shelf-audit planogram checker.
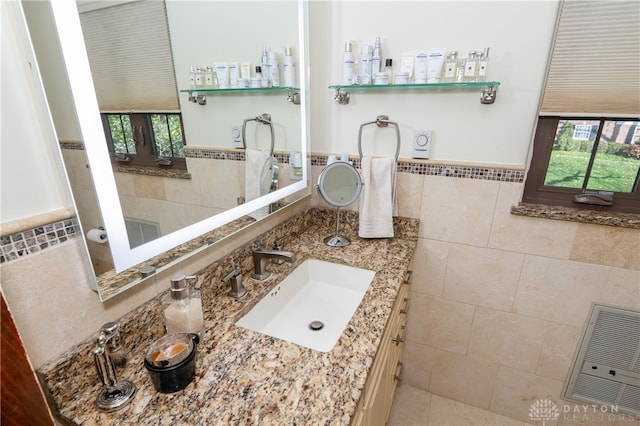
(376, 399)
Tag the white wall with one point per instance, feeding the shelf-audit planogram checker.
(518, 33)
(31, 177)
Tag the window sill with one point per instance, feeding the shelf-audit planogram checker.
(623, 220)
(151, 171)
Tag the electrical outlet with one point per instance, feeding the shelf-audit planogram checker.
(236, 136)
(421, 143)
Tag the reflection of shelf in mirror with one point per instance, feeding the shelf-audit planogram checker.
(200, 95)
(489, 89)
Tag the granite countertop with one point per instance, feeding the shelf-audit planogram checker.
(244, 377)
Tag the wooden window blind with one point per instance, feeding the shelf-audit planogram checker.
(129, 52)
(595, 62)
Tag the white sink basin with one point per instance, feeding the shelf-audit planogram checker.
(315, 294)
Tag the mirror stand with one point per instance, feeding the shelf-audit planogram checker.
(339, 185)
(337, 240)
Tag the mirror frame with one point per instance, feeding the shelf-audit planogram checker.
(76, 61)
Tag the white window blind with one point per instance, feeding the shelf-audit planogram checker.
(595, 63)
(130, 56)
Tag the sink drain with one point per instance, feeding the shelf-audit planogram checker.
(316, 325)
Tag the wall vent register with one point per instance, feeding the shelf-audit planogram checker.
(607, 368)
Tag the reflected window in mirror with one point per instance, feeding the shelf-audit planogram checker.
(149, 140)
(132, 69)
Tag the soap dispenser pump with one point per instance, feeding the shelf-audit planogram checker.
(183, 307)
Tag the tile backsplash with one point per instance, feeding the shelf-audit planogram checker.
(34, 240)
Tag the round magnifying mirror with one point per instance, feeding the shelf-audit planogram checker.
(269, 176)
(339, 184)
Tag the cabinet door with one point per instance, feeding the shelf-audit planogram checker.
(377, 397)
(375, 410)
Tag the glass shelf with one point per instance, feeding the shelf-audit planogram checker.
(199, 96)
(488, 89)
(263, 90)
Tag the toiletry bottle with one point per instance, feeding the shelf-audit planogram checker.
(460, 70)
(192, 77)
(183, 307)
(289, 68)
(388, 68)
(483, 64)
(266, 71)
(295, 165)
(234, 74)
(420, 68)
(208, 77)
(450, 67)
(376, 59)
(199, 77)
(258, 77)
(366, 58)
(222, 71)
(274, 66)
(471, 67)
(348, 64)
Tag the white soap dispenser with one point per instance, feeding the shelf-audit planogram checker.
(183, 307)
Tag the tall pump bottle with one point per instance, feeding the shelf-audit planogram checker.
(348, 64)
(266, 67)
(376, 61)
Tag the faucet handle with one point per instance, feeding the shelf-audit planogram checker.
(234, 273)
(279, 245)
(237, 289)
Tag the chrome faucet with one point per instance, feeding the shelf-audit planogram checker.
(260, 256)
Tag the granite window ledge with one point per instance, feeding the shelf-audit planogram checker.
(596, 217)
(152, 171)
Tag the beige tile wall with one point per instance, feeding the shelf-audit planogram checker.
(499, 301)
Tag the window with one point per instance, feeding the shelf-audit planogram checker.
(586, 148)
(582, 132)
(129, 52)
(564, 165)
(152, 139)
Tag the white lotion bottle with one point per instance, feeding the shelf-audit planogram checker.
(274, 68)
(366, 59)
(266, 67)
(376, 61)
(348, 64)
(289, 68)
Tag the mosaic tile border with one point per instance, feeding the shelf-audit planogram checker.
(217, 154)
(449, 170)
(30, 241)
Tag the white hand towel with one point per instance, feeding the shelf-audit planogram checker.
(254, 161)
(378, 203)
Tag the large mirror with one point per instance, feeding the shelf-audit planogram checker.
(211, 194)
